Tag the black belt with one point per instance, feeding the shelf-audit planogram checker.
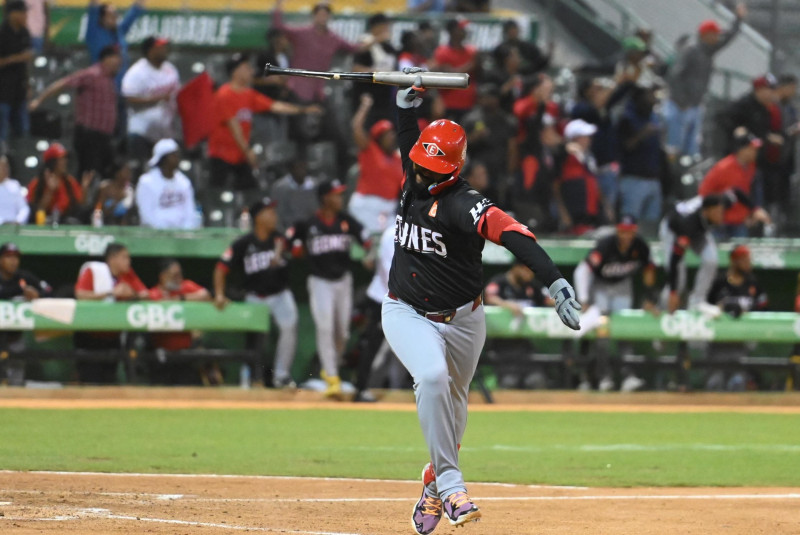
(441, 316)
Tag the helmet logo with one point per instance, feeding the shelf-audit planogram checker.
(432, 149)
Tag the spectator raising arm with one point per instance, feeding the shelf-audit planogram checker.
(360, 135)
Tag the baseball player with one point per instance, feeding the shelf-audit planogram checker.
(604, 279)
(259, 256)
(433, 316)
(326, 239)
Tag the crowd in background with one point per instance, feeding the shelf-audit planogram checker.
(608, 154)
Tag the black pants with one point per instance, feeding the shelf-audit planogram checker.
(222, 171)
(95, 150)
(370, 342)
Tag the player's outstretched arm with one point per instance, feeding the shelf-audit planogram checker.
(407, 127)
(499, 227)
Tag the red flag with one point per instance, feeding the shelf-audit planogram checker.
(196, 95)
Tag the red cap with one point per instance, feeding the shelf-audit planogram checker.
(54, 151)
(161, 41)
(627, 222)
(380, 128)
(709, 26)
(767, 80)
(441, 147)
(740, 251)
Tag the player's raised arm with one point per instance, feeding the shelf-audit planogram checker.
(407, 127)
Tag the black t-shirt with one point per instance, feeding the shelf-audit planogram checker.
(254, 258)
(610, 265)
(327, 243)
(437, 255)
(13, 77)
(691, 230)
(14, 287)
(382, 95)
(737, 298)
(530, 294)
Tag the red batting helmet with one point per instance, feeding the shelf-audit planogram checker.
(441, 148)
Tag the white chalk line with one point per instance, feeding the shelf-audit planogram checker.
(272, 478)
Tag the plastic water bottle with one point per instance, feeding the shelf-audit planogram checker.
(244, 376)
(97, 217)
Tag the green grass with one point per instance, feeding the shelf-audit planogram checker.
(595, 449)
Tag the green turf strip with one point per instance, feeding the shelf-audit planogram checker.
(595, 449)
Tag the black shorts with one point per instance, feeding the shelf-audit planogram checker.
(222, 171)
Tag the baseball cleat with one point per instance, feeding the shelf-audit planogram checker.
(428, 509)
(459, 509)
(334, 388)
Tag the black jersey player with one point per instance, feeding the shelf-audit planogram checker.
(433, 316)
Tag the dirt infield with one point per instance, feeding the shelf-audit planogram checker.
(77, 503)
(115, 503)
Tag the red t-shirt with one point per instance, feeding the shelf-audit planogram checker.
(61, 199)
(228, 104)
(726, 174)
(457, 99)
(380, 175)
(179, 340)
(86, 281)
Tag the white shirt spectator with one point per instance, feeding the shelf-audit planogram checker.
(379, 286)
(143, 80)
(13, 205)
(166, 203)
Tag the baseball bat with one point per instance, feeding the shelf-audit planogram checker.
(444, 80)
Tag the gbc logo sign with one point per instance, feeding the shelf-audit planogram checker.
(13, 316)
(687, 327)
(92, 244)
(156, 317)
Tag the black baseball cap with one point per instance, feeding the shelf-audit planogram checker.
(742, 137)
(720, 199)
(9, 248)
(260, 204)
(627, 222)
(16, 5)
(330, 186)
(235, 60)
(151, 42)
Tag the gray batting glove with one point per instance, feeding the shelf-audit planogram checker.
(409, 97)
(566, 305)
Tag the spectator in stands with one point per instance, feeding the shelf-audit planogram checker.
(538, 117)
(150, 87)
(103, 28)
(278, 53)
(639, 132)
(173, 287)
(165, 195)
(651, 59)
(411, 52)
(428, 38)
(380, 171)
(790, 127)
(531, 57)
(380, 56)
(13, 205)
(426, 6)
(634, 65)
(477, 176)
(506, 75)
(38, 23)
(95, 109)
(597, 99)
(326, 239)
(689, 225)
(15, 54)
(54, 193)
(736, 291)
(457, 56)
(604, 279)
(17, 285)
(736, 171)
(295, 194)
(758, 112)
(491, 134)
(115, 194)
(580, 203)
(314, 47)
(688, 83)
(260, 257)
(110, 280)
(235, 103)
(515, 290)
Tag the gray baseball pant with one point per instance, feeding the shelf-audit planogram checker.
(441, 358)
(706, 249)
(331, 307)
(284, 311)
